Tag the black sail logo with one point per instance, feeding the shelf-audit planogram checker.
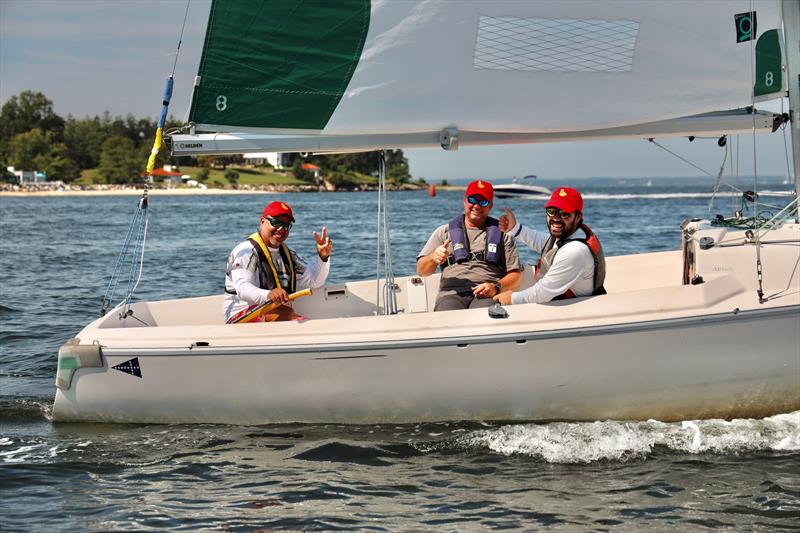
(130, 366)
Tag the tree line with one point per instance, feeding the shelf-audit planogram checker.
(34, 137)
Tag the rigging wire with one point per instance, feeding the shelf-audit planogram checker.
(704, 171)
(138, 227)
(759, 272)
(389, 293)
(139, 223)
(717, 180)
(162, 119)
(180, 38)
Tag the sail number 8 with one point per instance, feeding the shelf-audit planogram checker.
(769, 79)
(222, 103)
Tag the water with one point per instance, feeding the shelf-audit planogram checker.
(56, 255)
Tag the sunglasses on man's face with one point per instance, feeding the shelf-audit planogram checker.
(473, 200)
(552, 212)
(278, 223)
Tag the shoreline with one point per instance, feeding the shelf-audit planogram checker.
(138, 192)
(175, 192)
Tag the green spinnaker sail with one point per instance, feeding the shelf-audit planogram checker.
(278, 63)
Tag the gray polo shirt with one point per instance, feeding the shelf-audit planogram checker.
(462, 277)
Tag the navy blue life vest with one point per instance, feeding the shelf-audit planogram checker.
(461, 251)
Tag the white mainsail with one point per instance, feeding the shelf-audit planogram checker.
(496, 72)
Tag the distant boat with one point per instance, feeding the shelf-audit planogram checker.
(521, 190)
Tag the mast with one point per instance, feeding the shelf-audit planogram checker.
(791, 25)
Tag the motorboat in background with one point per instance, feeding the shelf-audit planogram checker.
(516, 189)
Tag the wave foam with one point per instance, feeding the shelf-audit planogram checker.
(564, 442)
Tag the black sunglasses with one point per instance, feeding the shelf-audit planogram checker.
(477, 200)
(553, 211)
(278, 223)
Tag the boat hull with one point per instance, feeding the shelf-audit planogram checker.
(521, 191)
(687, 369)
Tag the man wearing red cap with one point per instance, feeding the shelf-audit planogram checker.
(263, 268)
(572, 262)
(482, 260)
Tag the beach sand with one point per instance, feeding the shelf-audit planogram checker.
(138, 192)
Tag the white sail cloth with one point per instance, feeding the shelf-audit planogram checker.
(547, 66)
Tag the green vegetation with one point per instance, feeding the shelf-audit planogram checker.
(110, 149)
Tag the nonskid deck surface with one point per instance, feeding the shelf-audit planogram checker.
(641, 288)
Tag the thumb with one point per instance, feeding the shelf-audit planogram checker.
(507, 211)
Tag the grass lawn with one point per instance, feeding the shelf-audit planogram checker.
(89, 176)
(247, 176)
(216, 178)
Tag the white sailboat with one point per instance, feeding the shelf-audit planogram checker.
(708, 330)
(517, 189)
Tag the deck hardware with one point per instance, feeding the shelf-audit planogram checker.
(448, 138)
(335, 293)
(497, 311)
(706, 243)
(199, 344)
(697, 280)
(521, 341)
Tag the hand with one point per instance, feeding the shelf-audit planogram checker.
(441, 253)
(278, 295)
(484, 290)
(503, 298)
(507, 220)
(324, 244)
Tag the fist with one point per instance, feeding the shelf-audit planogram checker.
(278, 295)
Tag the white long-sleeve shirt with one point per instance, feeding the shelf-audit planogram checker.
(242, 276)
(572, 269)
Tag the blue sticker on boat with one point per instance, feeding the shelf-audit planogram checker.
(130, 366)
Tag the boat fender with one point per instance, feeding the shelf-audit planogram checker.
(458, 235)
(72, 355)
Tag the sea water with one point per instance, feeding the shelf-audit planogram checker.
(57, 254)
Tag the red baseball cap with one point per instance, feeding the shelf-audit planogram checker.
(566, 199)
(276, 209)
(481, 188)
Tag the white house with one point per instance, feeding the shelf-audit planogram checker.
(276, 159)
(28, 176)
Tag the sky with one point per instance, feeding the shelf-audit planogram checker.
(89, 57)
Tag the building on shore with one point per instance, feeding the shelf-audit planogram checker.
(27, 176)
(278, 160)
